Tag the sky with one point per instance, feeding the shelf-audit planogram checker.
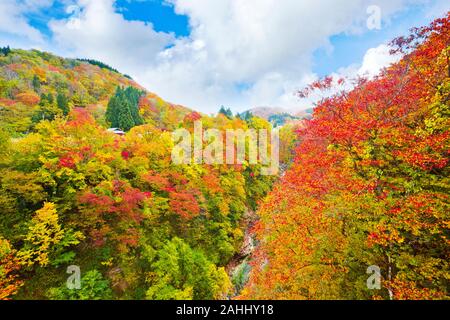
(207, 53)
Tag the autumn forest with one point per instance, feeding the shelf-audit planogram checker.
(88, 187)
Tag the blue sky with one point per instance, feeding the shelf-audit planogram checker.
(159, 13)
(203, 53)
(350, 49)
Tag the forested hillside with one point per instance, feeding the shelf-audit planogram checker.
(74, 193)
(88, 183)
(36, 86)
(369, 187)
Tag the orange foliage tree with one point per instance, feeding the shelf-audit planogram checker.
(369, 186)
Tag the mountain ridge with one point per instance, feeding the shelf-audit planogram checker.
(31, 81)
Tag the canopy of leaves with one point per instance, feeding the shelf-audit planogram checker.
(73, 193)
(369, 186)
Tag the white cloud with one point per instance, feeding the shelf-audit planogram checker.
(266, 44)
(376, 59)
(97, 31)
(14, 25)
(282, 92)
(240, 53)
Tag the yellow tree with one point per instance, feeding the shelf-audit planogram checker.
(45, 237)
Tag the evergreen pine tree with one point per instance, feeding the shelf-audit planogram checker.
(125, 121)
(112, 111)
(226, 112)
(133, 96)
(123, 109)
(50, 98)
(36, 83)
(63, 103)
(5, 51)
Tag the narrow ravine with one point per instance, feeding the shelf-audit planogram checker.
(238, 269)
